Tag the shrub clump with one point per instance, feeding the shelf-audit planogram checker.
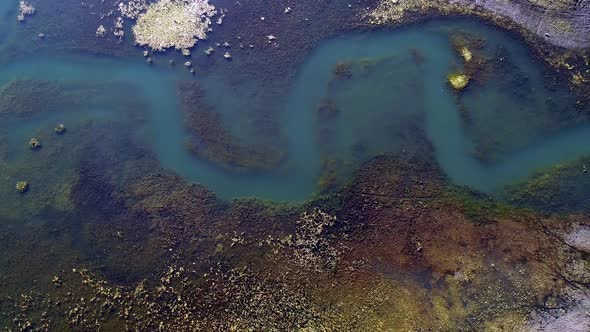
(458, 81)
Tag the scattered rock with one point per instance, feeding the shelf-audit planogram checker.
(24, 9)
(34, 143)
(56, 281)
(101, 31)
(60, 129)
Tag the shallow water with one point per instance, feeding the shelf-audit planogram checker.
(374, 112)
(7, 19)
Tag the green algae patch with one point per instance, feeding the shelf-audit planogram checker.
(542, 185)
(458, 81)
(559, 188)
(480, 209)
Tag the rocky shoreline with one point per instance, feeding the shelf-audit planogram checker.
(565, 24)
(556, 32)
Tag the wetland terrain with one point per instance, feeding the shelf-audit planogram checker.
(294, 166)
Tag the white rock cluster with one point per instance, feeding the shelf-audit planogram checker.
(101, 31)
(173, 23)
(312, 246)
(119, 32)
(132, 8)
(24, 9)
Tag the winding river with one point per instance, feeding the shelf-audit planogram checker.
(297, 179)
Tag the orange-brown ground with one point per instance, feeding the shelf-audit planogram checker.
(395, 250)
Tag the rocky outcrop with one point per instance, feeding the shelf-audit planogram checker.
(173, 23)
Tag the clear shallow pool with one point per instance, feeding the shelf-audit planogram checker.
(388, 108)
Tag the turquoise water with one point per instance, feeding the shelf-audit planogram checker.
(374, 111)
(165, 125)
(7, 8)
(7, 20)
(443, 122)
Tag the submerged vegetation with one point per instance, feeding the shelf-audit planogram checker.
(342, 70)
(107, 239)
(479, 208)
(210, 140)
(327, 110)
(559, 188)
(471, 48)
(328, 179)
(25, 98)
(509, 105)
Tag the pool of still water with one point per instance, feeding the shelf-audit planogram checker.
(296, 180)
